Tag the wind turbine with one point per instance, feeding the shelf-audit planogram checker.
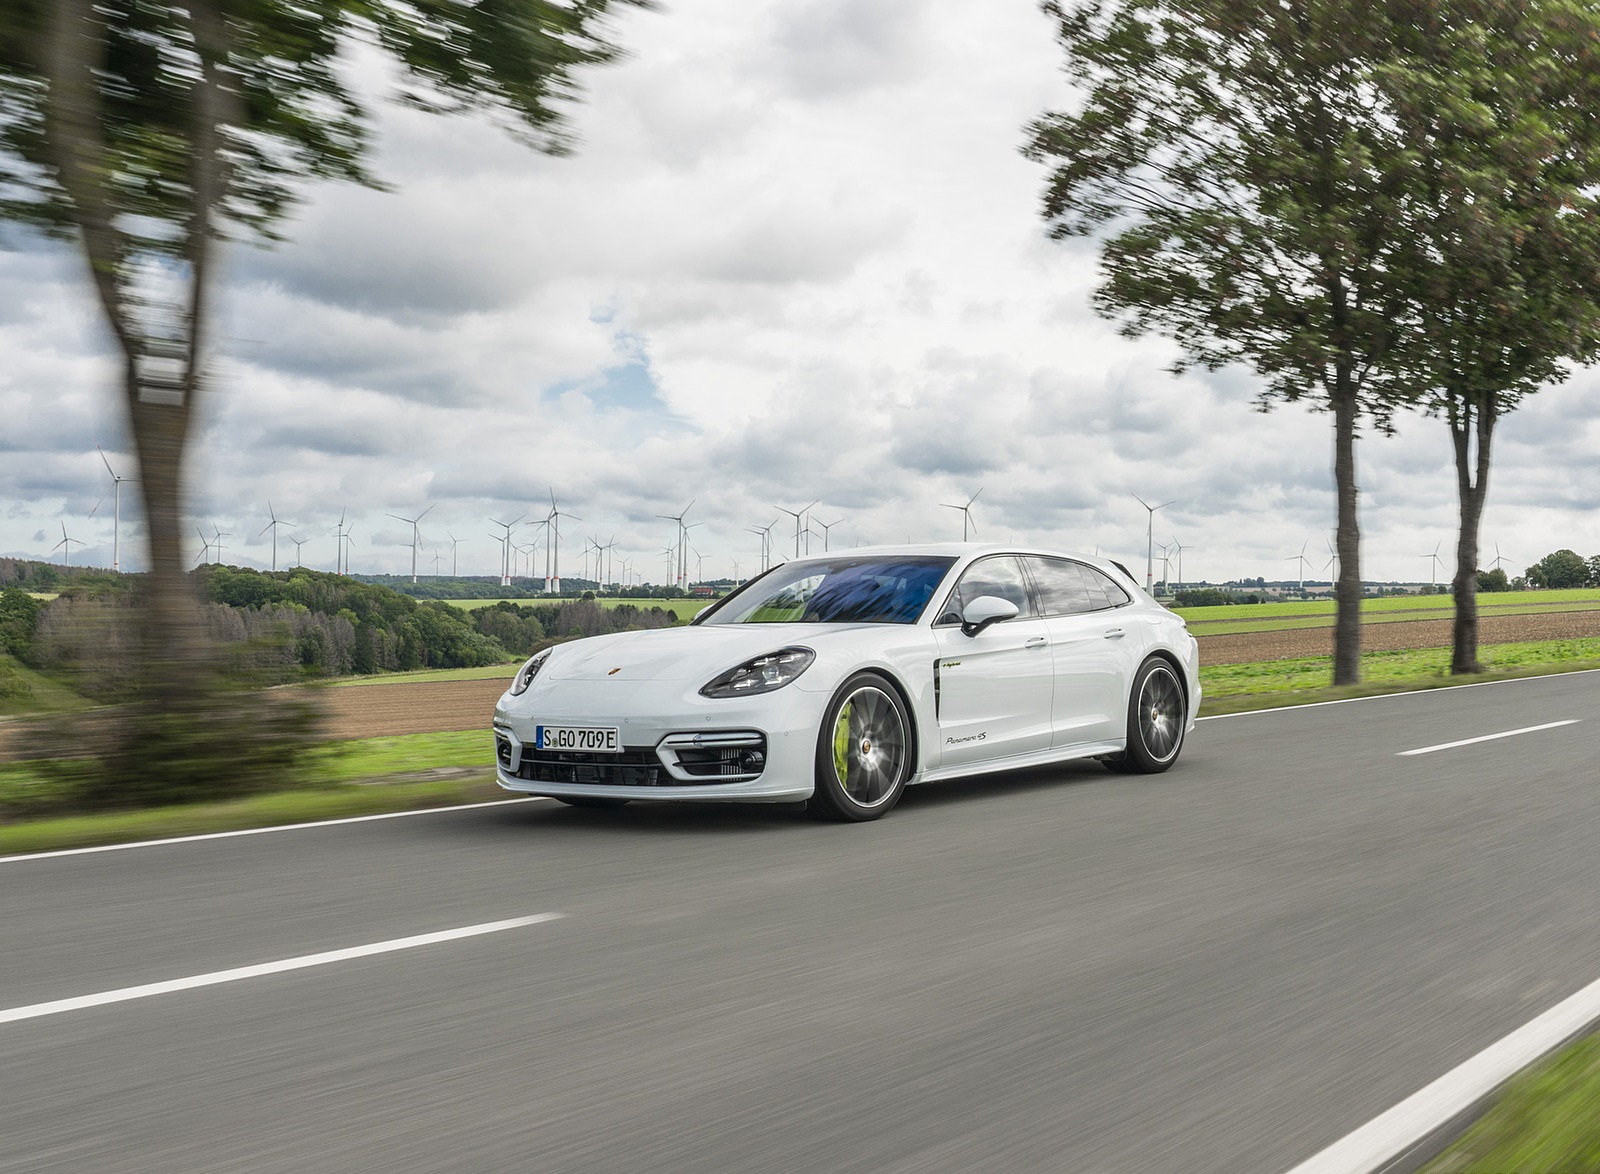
(826, 526)
(610, 547)
(65, 546)
(454, 542)
(1149, 539)
(1178, 546)
(1499, 558)
(298, 543)
(505, 548)
(339, 533)
(416, 536)
(1166, 568)
(553, 581)
(217, 536)
(116, 524)
(797, 516)
(1436, 560)
(205, 547)
(273, 526)
(678, 518)
(1333, 561)
(1301, 560)
(966, 513)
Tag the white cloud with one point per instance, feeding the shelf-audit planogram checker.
(797, 256)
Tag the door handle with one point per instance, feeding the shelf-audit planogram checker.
(1036, 642)
(1114, 633)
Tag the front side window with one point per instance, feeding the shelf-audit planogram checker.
(844, 590)
(1000, 575)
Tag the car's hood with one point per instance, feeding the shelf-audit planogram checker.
(680, 654)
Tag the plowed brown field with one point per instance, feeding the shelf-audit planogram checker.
(375, 711)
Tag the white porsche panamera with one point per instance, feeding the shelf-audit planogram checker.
(842, 679)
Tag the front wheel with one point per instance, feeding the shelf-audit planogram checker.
(1158, 712)
(863, 752)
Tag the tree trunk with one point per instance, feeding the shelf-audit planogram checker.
(1467, 422)
(1347, 593)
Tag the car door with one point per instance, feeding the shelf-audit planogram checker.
(1089, 651)
(993, 690)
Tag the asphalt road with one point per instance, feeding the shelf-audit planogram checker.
(1224, 968)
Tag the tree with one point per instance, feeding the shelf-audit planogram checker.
(1492, 581)
(1227, 154)
(1497, 104)
(1561, 568)
(149, 131)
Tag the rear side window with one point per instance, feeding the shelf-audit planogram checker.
(1114, 594)
(1063, 588)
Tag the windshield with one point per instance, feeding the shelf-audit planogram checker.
(887, 589)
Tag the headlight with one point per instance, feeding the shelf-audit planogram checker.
(527, 672)
(761, 675)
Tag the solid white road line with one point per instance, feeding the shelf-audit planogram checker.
(282, 827)
(1394, 1133)
(36, 1010)
(1488, 737)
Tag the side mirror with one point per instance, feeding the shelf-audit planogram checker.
(986, 610)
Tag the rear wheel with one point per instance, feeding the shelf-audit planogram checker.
(1158, 712)
(863, 752)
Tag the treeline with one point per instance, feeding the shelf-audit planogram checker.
(275, 628)
(489, 587)
(1565, 568)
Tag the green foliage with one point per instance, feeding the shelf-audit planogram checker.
(1205, 597)
(1493, 581)
(221, 742)
(1558, 569)
(19, 611)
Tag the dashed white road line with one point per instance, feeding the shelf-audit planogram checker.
(58, 1006)
(1395, 1133)
(1488, 737)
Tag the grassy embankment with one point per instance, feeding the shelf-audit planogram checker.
(369, 776)
(1547, 1119)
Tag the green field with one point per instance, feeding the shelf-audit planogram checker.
(1229, 688)
(1536, 600)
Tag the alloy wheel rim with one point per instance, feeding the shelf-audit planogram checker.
(869, 746)
(1161, 714)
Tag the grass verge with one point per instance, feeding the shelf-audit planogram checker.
(416, 771)
(1237, 688)
(1547, 1119)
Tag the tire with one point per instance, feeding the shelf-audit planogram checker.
(864, 752)
(1158, 713)
(594, 803)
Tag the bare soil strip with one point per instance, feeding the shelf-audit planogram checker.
(1249, 647)
(432, 707)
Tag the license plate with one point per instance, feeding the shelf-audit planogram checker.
(598, 741)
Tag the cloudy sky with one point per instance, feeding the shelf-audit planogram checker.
(797, 257)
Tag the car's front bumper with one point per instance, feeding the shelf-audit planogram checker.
(654, 744)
